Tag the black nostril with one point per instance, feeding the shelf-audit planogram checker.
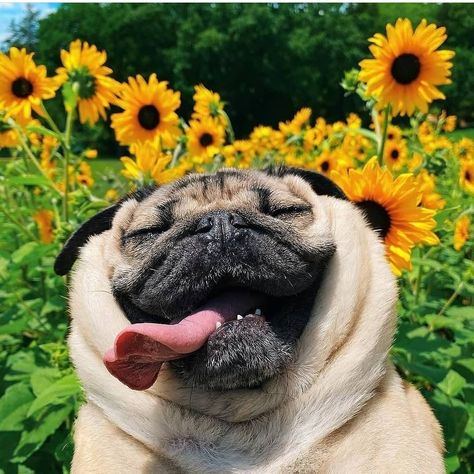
(237, 221)
(205, 224)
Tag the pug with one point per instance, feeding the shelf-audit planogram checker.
(240, 322)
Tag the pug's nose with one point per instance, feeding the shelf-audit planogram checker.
(220, 224)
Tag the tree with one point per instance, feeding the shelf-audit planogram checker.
(24, 33)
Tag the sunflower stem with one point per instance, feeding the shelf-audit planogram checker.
(30, 154)
(384, 135)
(178, 151)
(67, 154)
(420, 274)
(50, 121)
(418, 281)
(230, 129)
(451, 298)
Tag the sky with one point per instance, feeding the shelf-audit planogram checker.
(14, 11)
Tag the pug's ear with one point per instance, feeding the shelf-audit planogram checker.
(320, 184)
(95, 225)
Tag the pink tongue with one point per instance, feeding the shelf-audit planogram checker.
(140, 350)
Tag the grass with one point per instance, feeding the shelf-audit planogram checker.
(462, 133)
(106, 165)
(106, 174)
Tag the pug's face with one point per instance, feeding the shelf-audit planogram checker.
(246, 245)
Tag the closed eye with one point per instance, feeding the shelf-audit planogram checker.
(289, 210)
(155, 230)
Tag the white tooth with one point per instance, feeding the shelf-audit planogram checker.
(239, 317)
(218, 325)
(258, 312)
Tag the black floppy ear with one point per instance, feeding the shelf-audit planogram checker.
(95, 225)
(320, 184)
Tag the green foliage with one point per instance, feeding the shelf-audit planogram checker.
(435, 342)
(39, 392)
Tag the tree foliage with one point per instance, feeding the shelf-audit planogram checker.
(24, 33)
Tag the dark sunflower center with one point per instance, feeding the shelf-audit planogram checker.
(377, 215)
(149, 117)
(394, 154)
(390, 136)
(206, 139)
(467, 176)
(85, 80)
(406, 68)
(22, 88)
(325, 166)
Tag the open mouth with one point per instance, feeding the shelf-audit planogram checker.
(141, 349)
(237, 328)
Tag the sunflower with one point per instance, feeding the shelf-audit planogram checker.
(296, 124)
(395, 154)
(23, 84)
(151, 164)
(356, 146)
(205, 137)
(415, 162)
(449, 124)
(238, 154)
(265, 139)
(426, 183)
(461, 232)
(466, 176)
(464, 148)
(111, 195)
(47, 146)
(84, 176)
(312, 138)
(148, 112)
(208, 104)
(44, 221)
(394, 133)
(83, 65)
(354, 121)
(296, 160)
(406, 67)
(325, 163)
(8, 136)
(394, 205)
(91, 153)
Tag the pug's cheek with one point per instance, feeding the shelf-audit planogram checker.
(242, 353)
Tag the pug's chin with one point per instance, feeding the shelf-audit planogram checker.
(240, 354)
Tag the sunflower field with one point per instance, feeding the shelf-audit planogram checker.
(409, 166)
